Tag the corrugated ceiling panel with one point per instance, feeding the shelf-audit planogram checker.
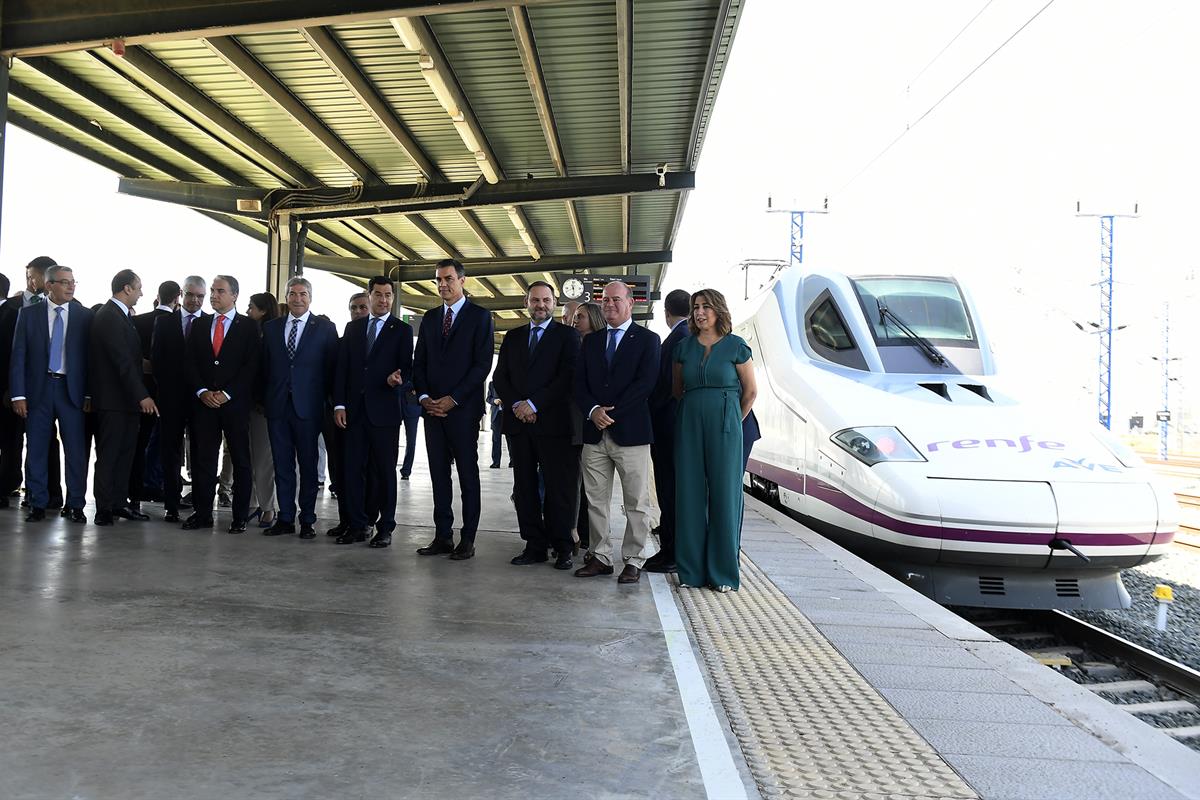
(451, 225)
(487, 64)
(553, 228)
(207, 72)
(600, 218)
(671, 43)
(395, 74)
(499, 225)
(399, 226)
(309, 78)
(650, 218)
(94, 70)
(577, 44)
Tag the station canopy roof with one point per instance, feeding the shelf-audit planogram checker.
(525, 139)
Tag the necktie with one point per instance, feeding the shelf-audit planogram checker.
(56, 342)
(372, 332)
(535, 336)
(187, 326)
(447, 321)
(291, 342)
(218, 334)
(611, 350)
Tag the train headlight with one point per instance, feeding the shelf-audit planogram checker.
(874, 444)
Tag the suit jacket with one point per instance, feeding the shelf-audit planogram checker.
(168, 359)
(360, 384)
(459, 364)
(303, 383)
(494, 411)
(662, 400)
(9, 310)
(545, 378)
(115, 362)
(626, 385)
(31, 353)
(144, 325)
(234, 370)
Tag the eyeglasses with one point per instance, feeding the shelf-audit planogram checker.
(64, 282)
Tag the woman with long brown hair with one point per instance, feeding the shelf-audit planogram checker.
(714, 381)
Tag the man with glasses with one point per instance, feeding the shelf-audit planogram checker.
(49, 375)
(168, 352)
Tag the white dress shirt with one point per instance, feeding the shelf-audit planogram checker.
(220, 319)
(121, 305)
(457, 309)
(287, 328)
(183, 320)
(623, 328)
(66, 307)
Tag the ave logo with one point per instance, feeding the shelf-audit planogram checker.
(1083, 463)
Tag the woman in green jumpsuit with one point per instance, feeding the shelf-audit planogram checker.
(714, 381)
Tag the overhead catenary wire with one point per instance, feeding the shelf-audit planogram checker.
(943, 98)
(933, 60)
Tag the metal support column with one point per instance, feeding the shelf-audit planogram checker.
(1104, 395)
(1164, 416)
(282, 255)
(3, 125)
(796, 254)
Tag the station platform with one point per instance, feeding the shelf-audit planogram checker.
(142, 661)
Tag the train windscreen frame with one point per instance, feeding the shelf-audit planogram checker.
(932, 308)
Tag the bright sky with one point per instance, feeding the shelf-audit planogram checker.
(1092, 102)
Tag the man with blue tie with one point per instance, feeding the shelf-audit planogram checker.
(453, 359)
(618, 367)
(374, 361)
(298, 357)
(48, 377)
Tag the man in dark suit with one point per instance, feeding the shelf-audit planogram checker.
(618, 367)
(411, 410)
(168, 354)
(12, 427)
(454, 356)
(118, 396)
(677, 306)
(534, 380)
(495, 416)
(49, 382)
(298, 356)
(335, 437)
(375, 359)
(168, 301)
(221, 364)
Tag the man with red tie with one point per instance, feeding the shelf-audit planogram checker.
(222, 358)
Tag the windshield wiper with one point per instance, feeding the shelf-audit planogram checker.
(923, 344)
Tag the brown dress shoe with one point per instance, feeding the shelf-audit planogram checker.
(630, 574)
(593, 568)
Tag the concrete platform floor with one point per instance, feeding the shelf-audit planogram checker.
(141, 661)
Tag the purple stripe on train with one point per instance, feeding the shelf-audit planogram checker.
(835, 497)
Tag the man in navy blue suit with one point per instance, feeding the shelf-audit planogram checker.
(677, 305)
(299, 352)
(48, 377)
(618, 367)
(453, 359)
(374, 360)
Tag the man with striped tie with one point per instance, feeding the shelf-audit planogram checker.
(298, 356)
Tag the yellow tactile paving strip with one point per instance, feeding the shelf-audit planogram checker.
(808, 724)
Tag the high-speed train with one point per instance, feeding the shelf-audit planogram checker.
(885, 427)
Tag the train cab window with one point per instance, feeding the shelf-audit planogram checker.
(828, 335)
(932, 308)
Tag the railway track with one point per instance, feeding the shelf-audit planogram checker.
(1157, 690)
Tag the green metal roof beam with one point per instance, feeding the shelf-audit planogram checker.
(45, 26)
(488, 267)
(625, 92)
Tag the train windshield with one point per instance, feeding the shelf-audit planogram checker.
(931, 308)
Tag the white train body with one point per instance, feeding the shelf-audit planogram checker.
(964, 491)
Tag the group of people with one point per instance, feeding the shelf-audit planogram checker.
(578, 401)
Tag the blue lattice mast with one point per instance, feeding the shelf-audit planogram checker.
(1104, 391)
(796, 230)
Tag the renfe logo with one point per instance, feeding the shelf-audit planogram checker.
(1021, 445)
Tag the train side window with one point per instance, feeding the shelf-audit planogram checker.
(829, 337)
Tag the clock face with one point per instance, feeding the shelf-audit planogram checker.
(573, 287)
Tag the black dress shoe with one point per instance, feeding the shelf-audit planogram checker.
(73, 514)
(130, 513)
(307, 532)
(171, 516)
(280, 528)
(196, 522)
(436, 548)
(351, 536)
(237, 526)
(660, 563)
(563, 562)
(103, 518)
(495, 466)
(55, 503)
(381, 540)
(35, 515)
(337, 530)
(403, 477)
(527, 558)
(463, 552)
